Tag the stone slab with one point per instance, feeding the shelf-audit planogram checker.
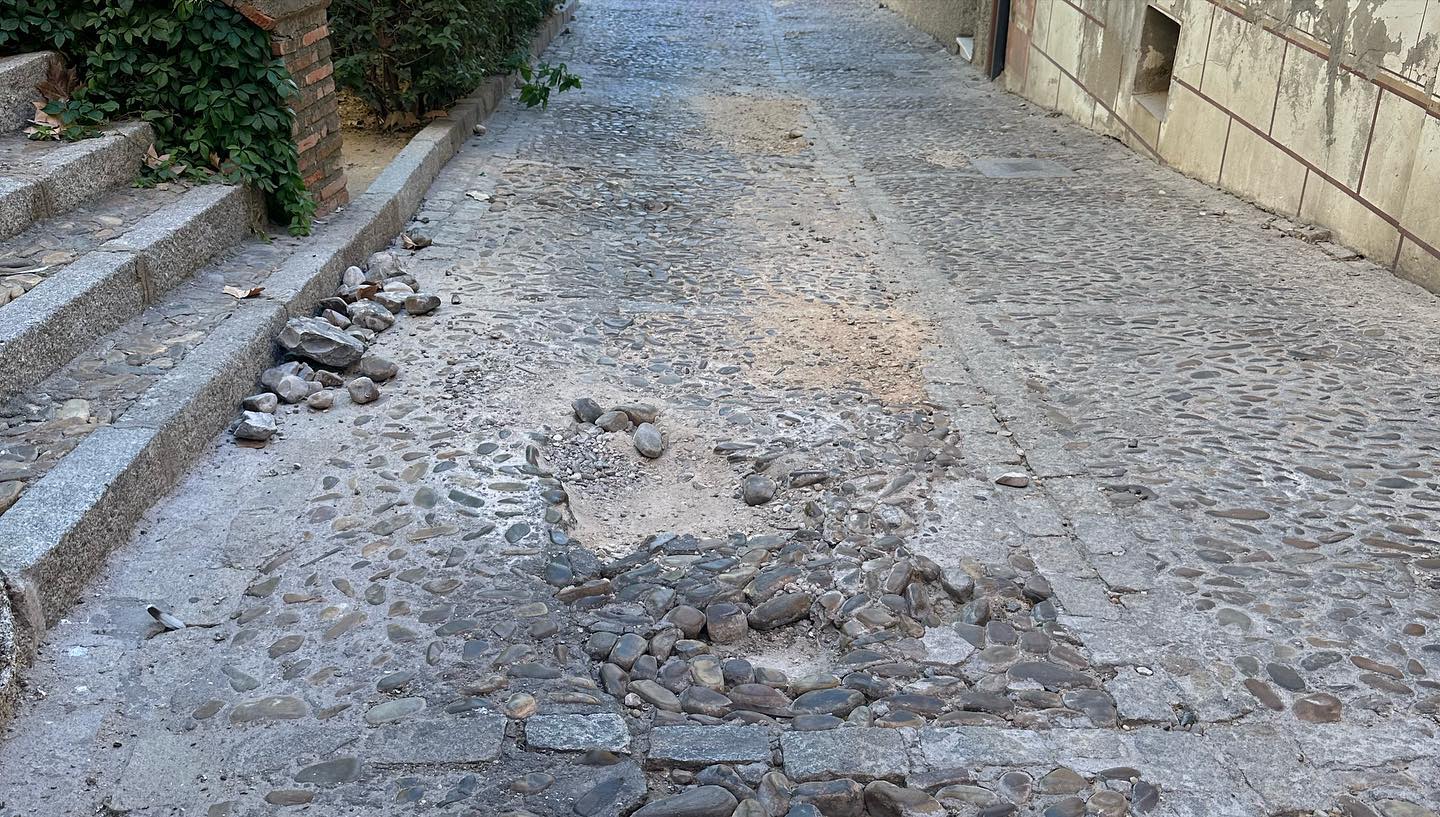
(968, 747)
(698, 746)
(472, 739)
(860, 753)
(601, 730)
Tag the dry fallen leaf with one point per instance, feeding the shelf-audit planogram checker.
(60, 82)
(241, 294)
(154, 160)
(43, 118)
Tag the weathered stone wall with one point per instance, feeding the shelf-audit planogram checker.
(1324, 111)
(300, 36)
(942, 19)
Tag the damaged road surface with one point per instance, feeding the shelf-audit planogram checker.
(756, 453)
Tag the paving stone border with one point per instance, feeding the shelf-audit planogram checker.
(601, 730)
(57, 536)
(700, 746)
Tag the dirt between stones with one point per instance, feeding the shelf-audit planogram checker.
(754, 125)
(686, 489)
(820, 345)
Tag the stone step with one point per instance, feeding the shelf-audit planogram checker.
(97, 391)
(94, 286)
(47, 247)
(42, 179)
(19, 77)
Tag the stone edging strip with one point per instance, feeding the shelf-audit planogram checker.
(57, 536)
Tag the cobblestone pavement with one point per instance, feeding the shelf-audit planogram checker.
(1004, 472)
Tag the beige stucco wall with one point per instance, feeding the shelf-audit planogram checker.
(1261, 104)
(946, 19)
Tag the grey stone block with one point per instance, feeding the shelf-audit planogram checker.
(601, 730)
(860, 753)
(76, 172)
(18, 77)
(474, 739)
(974, 746)
(698, 746)
(64, 315)
(58, 533)
(21, 204)
(177, 239)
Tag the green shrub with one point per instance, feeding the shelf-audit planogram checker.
(197, 70)
(405, 58)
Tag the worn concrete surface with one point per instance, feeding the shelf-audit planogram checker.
(787, 226)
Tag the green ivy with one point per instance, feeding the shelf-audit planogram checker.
(539, 80)
(196, 70)
(405, 58)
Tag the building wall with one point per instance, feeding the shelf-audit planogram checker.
(947, 19)
(1325, 111)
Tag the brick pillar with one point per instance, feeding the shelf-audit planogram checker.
(300, 36)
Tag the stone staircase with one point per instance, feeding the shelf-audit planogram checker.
(104, 290)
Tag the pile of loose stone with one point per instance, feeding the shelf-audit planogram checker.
(327, 348)
(916, 645)
(637, 418)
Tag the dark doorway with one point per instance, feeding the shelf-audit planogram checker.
(1159, 41)
(999, 36)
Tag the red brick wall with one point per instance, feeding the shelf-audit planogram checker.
(300, 36)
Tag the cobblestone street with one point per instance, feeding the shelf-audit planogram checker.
(1004, 472)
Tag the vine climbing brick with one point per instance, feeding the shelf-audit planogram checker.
(300, 35)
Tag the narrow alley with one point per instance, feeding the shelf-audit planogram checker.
(1000, 471)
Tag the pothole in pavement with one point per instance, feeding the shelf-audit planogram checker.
(820, 628)
(680, 625)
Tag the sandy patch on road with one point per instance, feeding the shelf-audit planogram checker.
(687, 490)
(757, 125)
(948, 158)
(828, 346)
